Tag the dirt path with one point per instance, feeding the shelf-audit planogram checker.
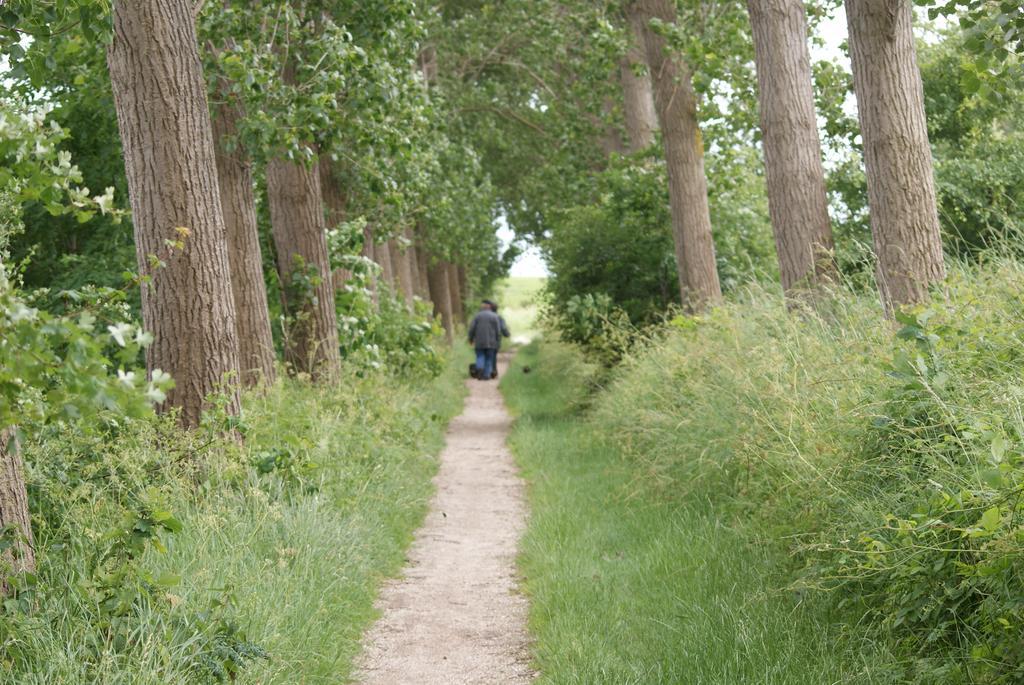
(455, 617)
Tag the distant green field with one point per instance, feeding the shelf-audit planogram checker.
(518, 300)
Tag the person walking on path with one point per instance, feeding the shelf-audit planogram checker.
(485, 337)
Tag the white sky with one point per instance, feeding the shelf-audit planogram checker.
(530, 262)
(832, 32)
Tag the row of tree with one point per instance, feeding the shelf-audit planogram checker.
(602, 81)
(306, 116)
(246, 135)
(327, 111)
(904, 217)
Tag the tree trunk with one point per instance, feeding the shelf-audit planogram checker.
(238, 203)
(638, 98)
(297, 220)
(21, 556)
(464, 286)
(414, 262)
(164, 121)
(455, 291)
(367, 252)
(423, 259)
(400, 262)
(336, 204)
(335, 200)
(897, 156)
(423, 263)
(676, 103)
(382, 253)
(797, 199)
(437, 276)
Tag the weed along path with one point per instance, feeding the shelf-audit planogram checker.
(455, 617)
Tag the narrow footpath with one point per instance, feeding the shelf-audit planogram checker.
(455, 617)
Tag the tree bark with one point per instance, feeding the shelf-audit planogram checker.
(336, 205)
(897, 156)
(297, 220)
(164, 121)
(455, 291)
(382, 253)
(464, 287)
(20, 557)
(437, 276)
(676, 103)
(423, 263)
(238, 204)
(333, 192)
(797, 199)
(367, 252)
(638, 97)
(418, 280)
(401, 263)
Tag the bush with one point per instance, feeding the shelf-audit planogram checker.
(378, 331)
(387, 335)
(619, 246)
(619, 241)
(595, 324)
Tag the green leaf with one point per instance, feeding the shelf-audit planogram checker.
(990, 520)
(970, 82)
(998, 447)
(168, 522)
(167, 580)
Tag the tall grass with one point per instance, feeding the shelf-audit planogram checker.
(284, 540)
(628, 588)
(884, 460)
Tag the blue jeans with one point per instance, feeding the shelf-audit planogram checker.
(486, 362)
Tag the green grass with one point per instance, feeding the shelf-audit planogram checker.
(631, 587)
(518, 297)
(302, 564)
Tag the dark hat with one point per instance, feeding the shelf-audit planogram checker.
(487, 302)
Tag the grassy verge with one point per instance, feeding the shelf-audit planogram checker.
(282, 546)
(631, 587)
(518, 297)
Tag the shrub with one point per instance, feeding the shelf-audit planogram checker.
(595, 324)
(378, 331)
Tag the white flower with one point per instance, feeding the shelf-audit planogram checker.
(19, 312)
(160, 377)
(106, 201)
(126, 379)
(155, 394)
(119, 332)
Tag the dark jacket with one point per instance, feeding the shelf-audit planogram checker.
(503, 328)
(485, 330)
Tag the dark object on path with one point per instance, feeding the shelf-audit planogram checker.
(494, 374)
(474, 372)
(526, 369)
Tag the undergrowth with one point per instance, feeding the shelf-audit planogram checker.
(174, 557)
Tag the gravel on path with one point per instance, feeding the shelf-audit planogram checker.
(455, 617)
